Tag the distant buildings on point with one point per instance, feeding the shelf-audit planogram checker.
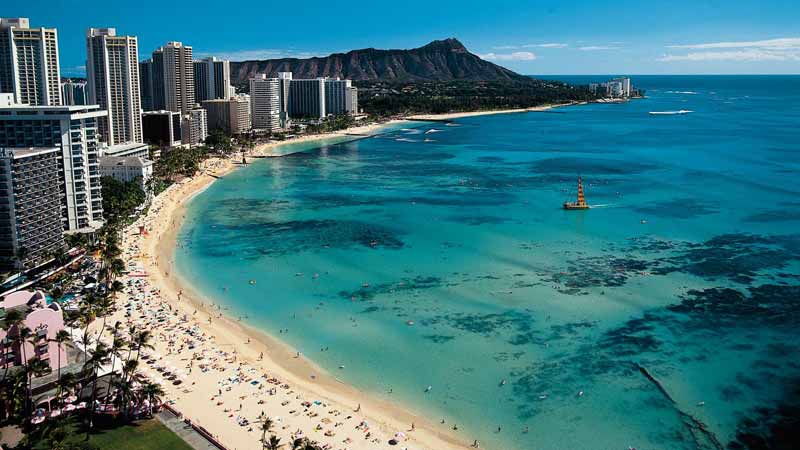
(615, 88)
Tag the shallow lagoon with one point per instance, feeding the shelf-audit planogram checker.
(673, 306)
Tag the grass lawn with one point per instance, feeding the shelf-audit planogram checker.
(142, 435)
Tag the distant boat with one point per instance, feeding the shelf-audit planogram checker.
(581, 203)
(669, 113)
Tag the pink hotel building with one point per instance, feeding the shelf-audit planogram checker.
(42, 319)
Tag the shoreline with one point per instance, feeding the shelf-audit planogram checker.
(458, 115)
(165, 219)
(357, 132)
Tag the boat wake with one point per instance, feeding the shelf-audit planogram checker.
(670, 113)
(681, 92)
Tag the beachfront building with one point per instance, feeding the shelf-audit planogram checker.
(112, 71)
(44, 320)
(29, 63)
(127, 168)
(339, 96)
(129, 149)
(265, 103)
(212, 79)
(73, 92)
(74, 131)
(284, 81)
(194, 127)
(31, 189)
(231, 116)
(307, 98)
(162, 128)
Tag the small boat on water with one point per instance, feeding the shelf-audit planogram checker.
(669, 113)
(581, 202)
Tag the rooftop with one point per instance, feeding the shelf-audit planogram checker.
(18, 153)
(130, 161)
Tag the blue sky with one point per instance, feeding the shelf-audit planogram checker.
(530, 37)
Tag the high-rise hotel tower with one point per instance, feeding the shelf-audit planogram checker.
(29, 63)
(112, 72)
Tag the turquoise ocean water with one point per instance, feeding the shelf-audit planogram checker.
(664, 318)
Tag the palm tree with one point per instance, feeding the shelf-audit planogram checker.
(274, 443)
(152, 392)
(35, 368)
(98, 359)
(61, 337)
(65, 383)
(266, 427)
(104, 307)
(24, 334)
(86, 341)
(116, 345)
(13, 319)
(142, 340)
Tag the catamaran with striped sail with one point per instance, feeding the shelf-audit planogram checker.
(581, 203)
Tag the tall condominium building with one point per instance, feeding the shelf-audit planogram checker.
(29, 62)
(231, 116)
(339, 96)
(352, 101)
(74, 131)
(194, 127)
(73, 92)
(284, 81)
(162, 128)
(265, 105)
(112, 71)
(307, 98)
(173, 78)
(31, 188)
(212, 79)
(146, 84)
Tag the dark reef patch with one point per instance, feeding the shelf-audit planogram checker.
(591, 166)
(477, 220)
(790, 214)
(265, 238)
(773, 427)
(598, 271)
(438, 338)
(683, 208)
(369, 292)
(736, 256)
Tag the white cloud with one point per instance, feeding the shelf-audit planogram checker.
(777, 44)
(734, 55)
(548, 45)
(257, 54)
(545, 45)
(782, 49)
(594, 48)
(515, 56)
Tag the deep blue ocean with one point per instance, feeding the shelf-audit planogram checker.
(665, 317)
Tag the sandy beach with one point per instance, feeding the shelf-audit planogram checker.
(233, 374)
(269, 148)
(458, 115)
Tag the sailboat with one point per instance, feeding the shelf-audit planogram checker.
(581, 203)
